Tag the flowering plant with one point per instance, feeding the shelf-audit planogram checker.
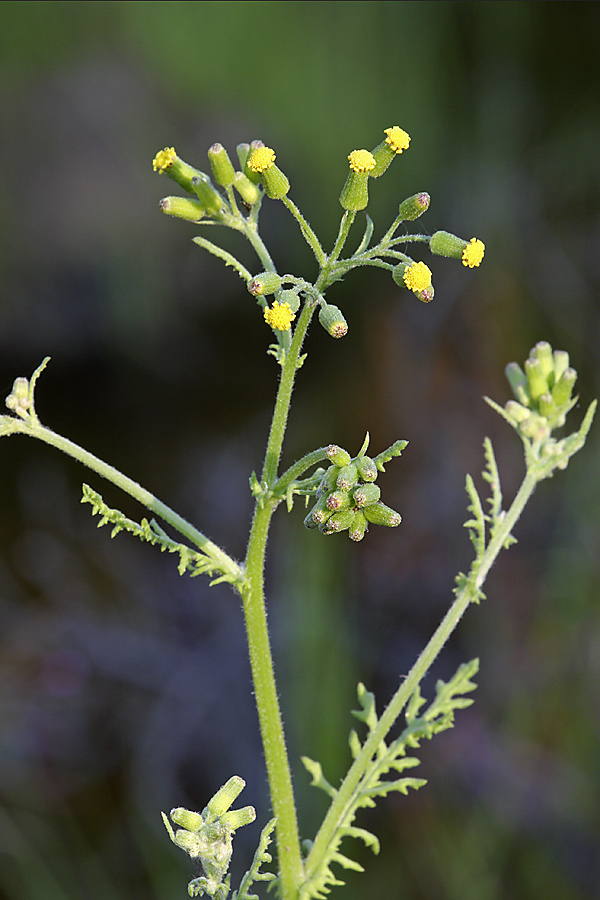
(341, 494)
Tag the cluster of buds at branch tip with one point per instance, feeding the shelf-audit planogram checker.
(543, 389)
(348, 499)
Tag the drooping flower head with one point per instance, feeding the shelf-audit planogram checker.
(417, 277)
(167, 162)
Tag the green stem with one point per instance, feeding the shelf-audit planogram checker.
(308, 234)
(345, 226)
(135, 490)
(261, 660)
(466, 596)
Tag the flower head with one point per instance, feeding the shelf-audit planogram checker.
(473, 253)
(164, 159)
(397, 138)
(279, 316)
(261, 159)
(361, 161)
(417, 277)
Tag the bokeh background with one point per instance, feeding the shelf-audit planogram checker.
(125, 689)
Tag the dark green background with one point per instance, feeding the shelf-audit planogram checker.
(124, 689)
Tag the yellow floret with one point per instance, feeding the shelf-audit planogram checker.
(417, 277)
(279, 316)
(397, 138)
(361, 161)
(163, 159)
(473, 253)
(262, 158)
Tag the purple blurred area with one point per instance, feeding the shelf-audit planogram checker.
(125, 688)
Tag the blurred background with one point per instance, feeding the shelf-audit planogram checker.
(124, 688)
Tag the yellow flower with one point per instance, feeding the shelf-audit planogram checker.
(473, 253)
(163, 159)
(417, 277)
(397, 139)
(279, 316)
(262, 158)
(361, 161)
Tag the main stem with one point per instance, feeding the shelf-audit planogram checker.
(261, 660)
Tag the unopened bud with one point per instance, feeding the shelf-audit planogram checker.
(366, 468)
(543, 352)
(563, 389)
(347, 478)
(536, 380)
(182, 208)
(333, 321)
(339, 521)
(380, 514)
(365, 494)
(518, 382)
(264, 283)
(358, 527)
(338, 500)
(338, 457)
(292, 298)
(225, 796)
(413, 207)
(191, 821)
(210, 199)
(222, 168)
(248, 191)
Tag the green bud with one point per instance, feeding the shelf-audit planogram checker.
(292, 298)
(190, 842)
(518, 382)
(380, 514)
(366, 468)
(442, 243)
(191, 821)
(309, 522)
(563, 388)
(329, 480)
(547, 406)
(413, 207)
(248, 191)
(235, 818)
(339, 521)
(339, 500)
(338, 457)
(538, 383)
(222, 169)
(242, 151)
(275, 183)
(516, 411)
(561, 362)
(210, 199)
(320, 511)
(333, 321)
(358, 527)
(535, 427)
(264, 283)
(18, 400)
(366, 493)
(347, 478)
(225, 796)
(543, 352)
(182, 208)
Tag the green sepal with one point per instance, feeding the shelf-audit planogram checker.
(442, 243)
(355, 193)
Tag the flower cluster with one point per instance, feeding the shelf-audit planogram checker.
(347, 498)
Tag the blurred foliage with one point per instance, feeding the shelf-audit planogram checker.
(125, 689)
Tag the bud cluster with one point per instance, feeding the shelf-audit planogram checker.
(543, 390)
(348, 499)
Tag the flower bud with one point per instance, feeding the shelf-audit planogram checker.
(264, 283)
(338, 500)
(333, 321)
(222, 168)
(347, 478)
(563, 389)
(365, 494)
(547, 406)
(235, 818)
(338, 456)
(518, 382)
(358, 527)
(355, 193)
(561, 362)
(18, 400)
(537, 382)
(191, 821)
(516, 411)
(395, 142)
(320, 511)
(182, 208)
(413, 207)
(248, 191)
(366, 468)
(292, 298)
(339, 521)
(242, 151)
(210, 199)
(225, 796)
(329, 480)
(380, 514)
(543, 352)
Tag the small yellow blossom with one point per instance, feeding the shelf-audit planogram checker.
(361, 161)
(163, 159)
(262, 158)
(279, 316)
(417, 277)
(397, 138)
(473, 253)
